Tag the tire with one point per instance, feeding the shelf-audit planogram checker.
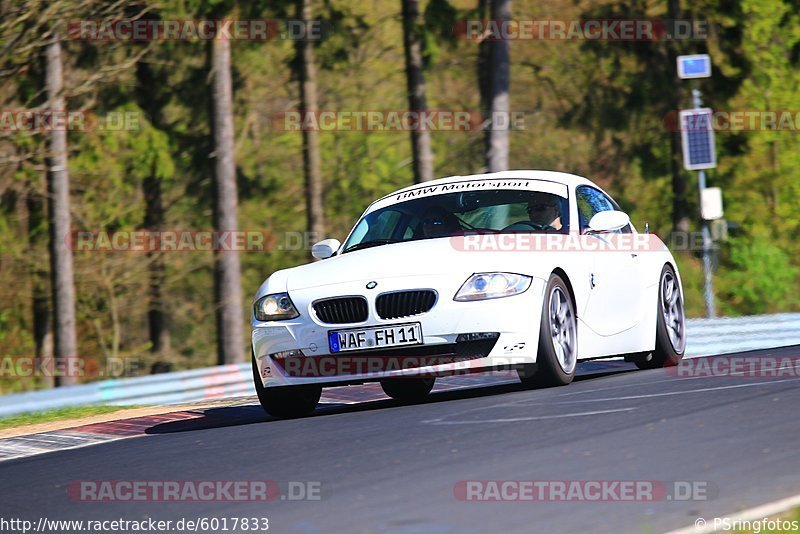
(407, 389)
(670, 325)
(286, 402)
(557, 355)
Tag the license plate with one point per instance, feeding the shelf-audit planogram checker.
(376, 337)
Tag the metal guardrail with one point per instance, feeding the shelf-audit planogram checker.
(705, 337)
(208, 383)
(734, 334)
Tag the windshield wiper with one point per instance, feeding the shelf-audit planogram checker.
(368, 244)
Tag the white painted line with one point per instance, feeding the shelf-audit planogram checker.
(440, 421)
(706, 524)
(12, 452)
(664, 394)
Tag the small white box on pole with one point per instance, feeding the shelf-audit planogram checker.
(711, 203)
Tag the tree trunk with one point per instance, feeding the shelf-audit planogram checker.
(227, 271)
(312, 166)
(154, 219)
(680, 208)
(483, 62)
(420, 137)
(42, 319)
(156, 307)
(483, 71)
(61, 272)
(497, 135)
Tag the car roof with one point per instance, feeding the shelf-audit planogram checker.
(570, 180)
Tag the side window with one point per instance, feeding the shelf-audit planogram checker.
(592, 201)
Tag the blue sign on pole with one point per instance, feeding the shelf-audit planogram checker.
(694, 66)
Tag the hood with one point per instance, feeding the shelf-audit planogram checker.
(413, 258)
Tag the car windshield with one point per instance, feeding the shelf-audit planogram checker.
(500, 211)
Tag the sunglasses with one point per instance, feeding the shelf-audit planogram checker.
(432, 222)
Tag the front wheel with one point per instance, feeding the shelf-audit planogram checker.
(407, 389)
(557, 356)
(671, 324)
(286, 402)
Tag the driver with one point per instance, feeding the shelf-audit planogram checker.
(543, 210)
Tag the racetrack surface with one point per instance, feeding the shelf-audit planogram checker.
(388, 467)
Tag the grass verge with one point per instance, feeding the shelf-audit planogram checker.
(57, 415)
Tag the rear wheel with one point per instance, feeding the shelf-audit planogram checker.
(407, 389)
(286, 401)
(670, 326)
(557, 356)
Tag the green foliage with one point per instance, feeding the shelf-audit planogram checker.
(760, 278)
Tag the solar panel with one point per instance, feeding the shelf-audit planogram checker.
(697, 138)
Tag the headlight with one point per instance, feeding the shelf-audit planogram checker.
(275, 307)
(482, 286)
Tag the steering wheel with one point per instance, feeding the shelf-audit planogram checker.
(521, 226)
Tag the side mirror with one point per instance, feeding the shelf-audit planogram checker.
(325, 248)
(608, 221)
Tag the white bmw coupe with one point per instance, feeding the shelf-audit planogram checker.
(526, 270)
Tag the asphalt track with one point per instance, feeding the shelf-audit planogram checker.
(388, 467)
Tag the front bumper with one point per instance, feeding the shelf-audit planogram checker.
(296, 351)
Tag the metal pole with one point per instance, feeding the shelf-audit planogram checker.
(709, 278)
